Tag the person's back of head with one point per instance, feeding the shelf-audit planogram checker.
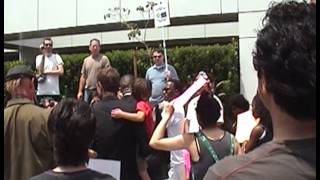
(109, 79)
(208, 110)
(260, 111)
(141, 89)
(177, 85)
(285, 57)
(72, 125)
(126, 82)
(238, 104)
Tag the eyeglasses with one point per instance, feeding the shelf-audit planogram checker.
(48, 45)
(157, 56)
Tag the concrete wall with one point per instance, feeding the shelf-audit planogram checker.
(28, 54)
(250, 16)
(33, 15)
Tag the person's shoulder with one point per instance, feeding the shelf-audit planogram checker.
(228, 166)
(37, 114)
(104, 57)
(87, 58)
(57, 55)
(257, 131)
(95, 175)
(42, 176)
(171, 66)
(150, 68)
(144, 104)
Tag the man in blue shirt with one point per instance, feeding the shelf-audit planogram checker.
(158, 75)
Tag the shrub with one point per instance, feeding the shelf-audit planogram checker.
(219, 61)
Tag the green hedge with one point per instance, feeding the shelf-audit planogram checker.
(219, 61)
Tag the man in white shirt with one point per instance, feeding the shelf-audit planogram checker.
(50, 65)
(172, 90)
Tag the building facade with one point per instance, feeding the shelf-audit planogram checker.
(72, 23)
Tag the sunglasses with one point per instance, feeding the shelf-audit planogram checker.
(157, 56)
(48, 45)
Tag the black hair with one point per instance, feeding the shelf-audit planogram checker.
(208, 110)
(109, 79)
(285, 55)
(47, 39)
(177, 85)
(239, 101)
(126, 82)
(94, 39)
(72, 124)
(259, 110)
(158, 50)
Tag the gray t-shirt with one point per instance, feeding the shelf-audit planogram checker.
(79, 175)
(90, 69)
(156, 74)
(276, 160)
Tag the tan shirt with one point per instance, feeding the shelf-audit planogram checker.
(276, 160)
(90, 69)
(28, 147)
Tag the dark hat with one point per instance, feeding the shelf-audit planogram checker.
(19, 71)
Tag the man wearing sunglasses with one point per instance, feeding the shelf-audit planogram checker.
(158, 76)
(91, 65)
(49, 67)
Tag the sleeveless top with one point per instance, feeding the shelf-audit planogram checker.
(265, 136)
(221, 148)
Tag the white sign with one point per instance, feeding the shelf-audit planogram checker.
(245, 123)
(161, 14)
(184, 98)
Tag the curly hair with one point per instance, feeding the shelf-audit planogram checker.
(72, 124)
(285, 55)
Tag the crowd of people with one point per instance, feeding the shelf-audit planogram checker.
(137, 121)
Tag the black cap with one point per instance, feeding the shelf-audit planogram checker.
(19, 71)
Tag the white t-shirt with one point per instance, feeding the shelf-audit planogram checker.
(174, 128)
(51, 85)
(192, 115)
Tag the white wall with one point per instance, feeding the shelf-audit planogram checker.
(250, 16)
(20, 15)
(32, 15)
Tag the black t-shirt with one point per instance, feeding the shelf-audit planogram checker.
(87, 174)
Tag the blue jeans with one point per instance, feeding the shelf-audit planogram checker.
(89, 94)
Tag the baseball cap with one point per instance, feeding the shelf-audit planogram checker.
(19, 71)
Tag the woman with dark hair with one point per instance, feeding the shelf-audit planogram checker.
(72, 125)
(207, 146)
(262, 132)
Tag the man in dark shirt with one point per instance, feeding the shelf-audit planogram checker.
(115, 139)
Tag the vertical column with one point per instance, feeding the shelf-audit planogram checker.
(251, 13)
